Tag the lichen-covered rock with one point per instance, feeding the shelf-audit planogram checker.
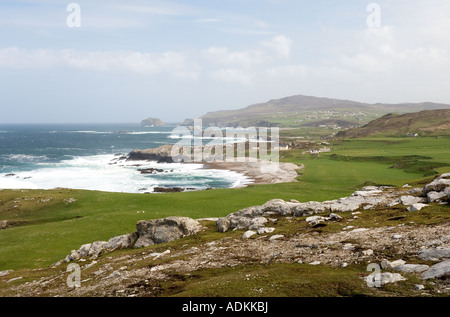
(165, 230)
(308, 209)
(121, 242)
(279, 206)
(440, 184)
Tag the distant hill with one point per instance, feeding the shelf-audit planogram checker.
(307, 111)
(152, 122)
(422, 123)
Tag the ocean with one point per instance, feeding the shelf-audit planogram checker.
(84, 156)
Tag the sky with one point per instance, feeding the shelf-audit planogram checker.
(111, 61)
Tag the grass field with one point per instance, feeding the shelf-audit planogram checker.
(48, 227)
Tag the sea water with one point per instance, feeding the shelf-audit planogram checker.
(86, 156)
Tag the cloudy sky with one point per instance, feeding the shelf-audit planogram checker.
(123, 61)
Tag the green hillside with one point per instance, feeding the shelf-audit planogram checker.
(307, 111)
(422, 123)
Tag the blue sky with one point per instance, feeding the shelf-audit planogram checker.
(173, 60)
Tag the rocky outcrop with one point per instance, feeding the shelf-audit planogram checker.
(381, 279)
(253, 218)
(440, 184)
(168, 189)
(165, 230)
(149, 232)
(152, 122)
(434, 254)
(161, 154)
(438, 270)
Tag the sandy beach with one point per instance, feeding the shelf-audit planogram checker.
(261, 172)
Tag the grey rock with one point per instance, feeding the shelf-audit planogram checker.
(265, 230)
(144, 241)
(276, 237)
(415, 191)
(308, 209)
(417, 207)
(386, 265)
(4, 273)
(435, 196)
(409, 200)
(84, 250)
(430, 254)
(437, 185)
(279, 206)
(419, 287)
(121, 242)
(381, 279)
(248, 234)
(412, 268)
(96, 248)
(223, 224)
(314, 220)
(441, 269)
(367, 252)
(257, 223)
(164, 230)
(335, 217)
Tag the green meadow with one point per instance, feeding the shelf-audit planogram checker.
(46, 227)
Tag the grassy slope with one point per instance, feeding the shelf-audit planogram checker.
(430, 123)
(61, 227)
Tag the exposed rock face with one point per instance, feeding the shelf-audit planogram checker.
(438, 270)
(440, 184)
(369, 197)
(149, 232)
(412, 268)
(160, 154)
(432, 254)
(436, 196)
(252, 217)
(165, 230)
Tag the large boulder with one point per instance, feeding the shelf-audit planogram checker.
(247, 218)
(409, 200)
(431, 254)
(149, 232)
(440, 184)
(441, 269)
(279, 206)
(121, 242)
(309, 209)
(436, 196)
(165, 230)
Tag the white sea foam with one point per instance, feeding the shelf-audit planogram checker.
(23, 158)
(148, 132)
(103, 173)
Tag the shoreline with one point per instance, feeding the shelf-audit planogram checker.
(260, 172)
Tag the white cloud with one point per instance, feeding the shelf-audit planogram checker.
(171, 63)
(280, 44)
